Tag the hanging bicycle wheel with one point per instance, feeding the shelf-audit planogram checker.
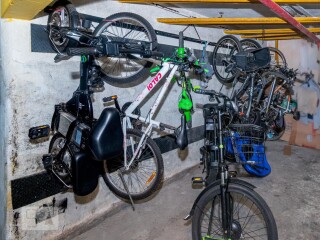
(126, 27)
(62, 17)
(223, 64)
(249, 216)
(145, 174)
(249, 44)
(277, 58)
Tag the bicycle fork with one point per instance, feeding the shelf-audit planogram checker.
(225, 198)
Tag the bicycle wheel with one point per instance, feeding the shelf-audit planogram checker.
(276, 129)
(277, 58)
(226, 47)
(145, 174)
(62, 17)
(61, 166)
(249, 44)
(250, 216)
(126, 27)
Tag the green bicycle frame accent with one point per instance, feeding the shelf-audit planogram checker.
(180, 52)
(185, 104)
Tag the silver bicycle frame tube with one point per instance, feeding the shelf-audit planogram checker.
(129, 112)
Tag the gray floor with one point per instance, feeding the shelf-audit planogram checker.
(292, 191)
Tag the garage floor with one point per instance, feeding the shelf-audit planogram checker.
(292, 191)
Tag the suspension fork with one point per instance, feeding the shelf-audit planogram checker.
(223, 177)
(252, 77)
(225, 198)
(271, 94)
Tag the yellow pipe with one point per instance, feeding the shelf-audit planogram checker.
(278, 38)
(267, 31)
(237, 21)
(217, 1)
(270, 35)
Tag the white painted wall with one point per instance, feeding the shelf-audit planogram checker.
(3, 147)
(32, 83)
(302, 55)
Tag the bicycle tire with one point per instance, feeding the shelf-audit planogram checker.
(59, 44)
(234, 190)
(153, 180)
(231, 46)
(249, 44)
(276, 52)
(139, 68)
(277, 136)
(212, 172)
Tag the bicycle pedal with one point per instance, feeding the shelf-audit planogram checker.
(39, 132)
(198, 181)
(108, 99)
(47, 160)
(233, 174)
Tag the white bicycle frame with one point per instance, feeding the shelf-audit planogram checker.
(166, 67)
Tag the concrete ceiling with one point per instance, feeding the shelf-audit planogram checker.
(246, 11)
(241, 10)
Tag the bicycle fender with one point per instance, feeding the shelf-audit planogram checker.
(216, 184)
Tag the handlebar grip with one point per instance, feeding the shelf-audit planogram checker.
(206, 92)
(82, 51)
(157, 54)
(181, 43)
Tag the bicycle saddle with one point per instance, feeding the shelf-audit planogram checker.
(181, 134)
(252, 59)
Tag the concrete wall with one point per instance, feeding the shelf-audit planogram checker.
(3, 148)
(302, 55)
(33, 83)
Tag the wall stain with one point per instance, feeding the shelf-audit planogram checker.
(14, 152)
(16, 232)
(49, 210)
(15, 130)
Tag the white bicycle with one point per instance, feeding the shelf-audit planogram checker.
(140, 172)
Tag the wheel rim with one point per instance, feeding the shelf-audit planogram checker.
(142, 173)
(249, 44)
(226, 49)
(247, 219)
(59, 19)
(124, 29)
(277, 58)
(57, 146)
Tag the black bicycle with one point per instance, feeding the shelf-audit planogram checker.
(83, 148)
(126, 39)
(229, 208)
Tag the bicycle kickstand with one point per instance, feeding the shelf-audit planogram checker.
(126, 188)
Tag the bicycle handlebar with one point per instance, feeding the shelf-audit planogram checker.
(96, 51)
(208, 92)
(226, 104)
(181, 43)
(82, 51)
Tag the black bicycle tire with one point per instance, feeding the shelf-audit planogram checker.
(145, 71)
(249, 193)
(237, 71)
(73, 20)
(272, 49)
(53, 139)
(254, 42)
(158, 178)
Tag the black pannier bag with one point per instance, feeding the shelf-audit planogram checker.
(106, 139)
(252, 59)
